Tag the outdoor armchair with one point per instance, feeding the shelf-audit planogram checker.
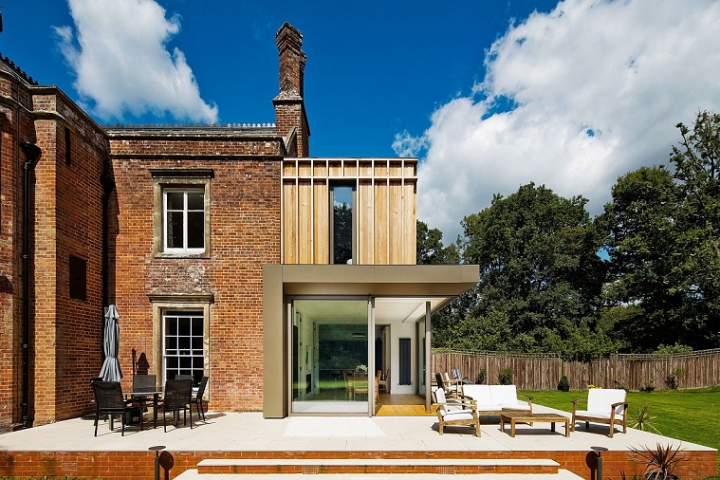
(178, 397)
(604, 405)
(443, 382)
(449, 414)
(109, 400)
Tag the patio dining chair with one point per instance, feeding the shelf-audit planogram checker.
(178, 397)
(109, 401)
(384, 383)
(360, 384)
(198, 401)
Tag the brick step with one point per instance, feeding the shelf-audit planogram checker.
(394, 466)
(560, 475)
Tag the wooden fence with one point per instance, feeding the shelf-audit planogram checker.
(543, 371)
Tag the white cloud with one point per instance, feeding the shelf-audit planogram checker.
(596, 86)
(123, 65)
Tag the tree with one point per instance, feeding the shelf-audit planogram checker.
(430, 249)
(697, 170)
(662, 232)
(640, 231)
(538, 261)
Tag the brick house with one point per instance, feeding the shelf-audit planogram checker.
(228, 251)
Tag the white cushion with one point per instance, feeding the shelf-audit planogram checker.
(516, 406)
(601, 400)
(440, 395)
(490, 408)
(598, 415)
(458, 415)
(502, 394)
(479, 393)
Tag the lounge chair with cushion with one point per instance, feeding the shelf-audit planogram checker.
(604, 405)
(460, 413)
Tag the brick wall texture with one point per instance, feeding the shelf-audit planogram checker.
(67, 219)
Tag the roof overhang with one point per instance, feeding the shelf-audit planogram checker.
(404, 289)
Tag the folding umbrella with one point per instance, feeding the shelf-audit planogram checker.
(110, 371)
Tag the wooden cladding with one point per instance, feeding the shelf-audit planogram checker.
(384, 216)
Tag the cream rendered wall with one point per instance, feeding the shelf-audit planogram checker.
(398, 331)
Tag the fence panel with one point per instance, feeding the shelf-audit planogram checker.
(543, 372)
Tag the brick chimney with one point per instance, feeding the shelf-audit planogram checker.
(290, 118)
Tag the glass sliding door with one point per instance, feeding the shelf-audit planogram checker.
(329, 356)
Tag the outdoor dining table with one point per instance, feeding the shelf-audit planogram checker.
(143, 393)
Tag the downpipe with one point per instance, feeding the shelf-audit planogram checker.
(32, 154)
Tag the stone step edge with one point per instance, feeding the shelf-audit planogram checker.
(193, 474)
(389, 462)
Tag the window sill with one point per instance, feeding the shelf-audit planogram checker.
(181, 255)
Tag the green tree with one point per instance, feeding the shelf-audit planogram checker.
(538, 261)
(640, 224)
(663, 237)
(697, 170)
(431, 251)
(430, 248)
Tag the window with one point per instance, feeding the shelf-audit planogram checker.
(181, 212)
(184, 225)
(183, 353)
(342, 237)
(78, 278)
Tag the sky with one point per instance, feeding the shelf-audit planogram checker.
(488, 95)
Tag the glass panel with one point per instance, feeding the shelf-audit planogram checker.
(330, 356)
(196, 230)
(196, 201)
(174, 230)
(171, 326)
(175, 200)
(184, 326)
(342, 224)
(197, 327)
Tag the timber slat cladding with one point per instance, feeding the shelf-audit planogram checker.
(384, 210)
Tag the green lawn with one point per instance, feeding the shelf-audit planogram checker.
(689, 415)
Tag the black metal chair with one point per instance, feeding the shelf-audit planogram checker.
(109, 400)
(199, 398)
(178, 397)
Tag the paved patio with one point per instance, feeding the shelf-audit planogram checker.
(229, 433)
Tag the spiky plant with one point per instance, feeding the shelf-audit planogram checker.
(643, 421)
(660, 463)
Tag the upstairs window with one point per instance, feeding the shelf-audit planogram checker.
(342, 246)
(184, 220)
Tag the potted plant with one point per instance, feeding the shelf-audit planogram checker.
(563, 384)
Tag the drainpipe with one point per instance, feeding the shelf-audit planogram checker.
(108, 186)
(32, 154)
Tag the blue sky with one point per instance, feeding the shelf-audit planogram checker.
(489, 95)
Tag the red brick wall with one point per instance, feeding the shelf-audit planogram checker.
(14, 126)
(140, 465)
(245, 234)
(65, 338)
(68, 221)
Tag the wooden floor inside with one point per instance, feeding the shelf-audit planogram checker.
(401, 405)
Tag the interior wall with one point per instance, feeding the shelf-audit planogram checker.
(398, 331)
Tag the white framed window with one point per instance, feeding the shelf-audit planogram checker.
(183, 350)
(183, 220)
(181, 212)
